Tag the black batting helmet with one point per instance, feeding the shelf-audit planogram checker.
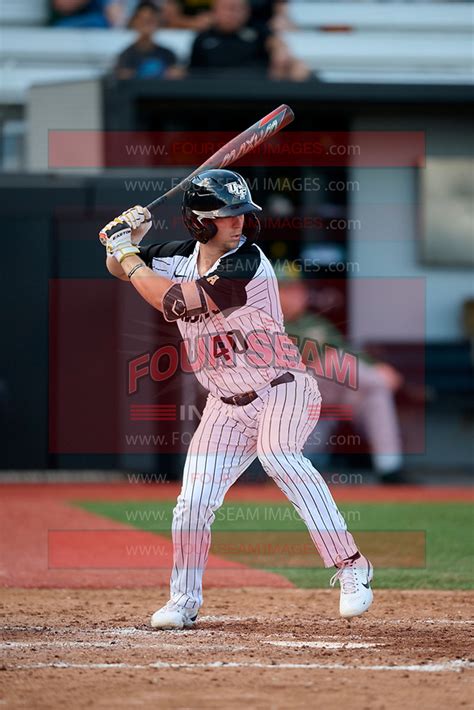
(218, 193)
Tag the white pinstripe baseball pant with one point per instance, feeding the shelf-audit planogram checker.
(273, 427)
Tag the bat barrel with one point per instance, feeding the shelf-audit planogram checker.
(236, 148)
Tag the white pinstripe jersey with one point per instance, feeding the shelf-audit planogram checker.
(241, 345)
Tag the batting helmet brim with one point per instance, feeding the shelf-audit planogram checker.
(229, 210)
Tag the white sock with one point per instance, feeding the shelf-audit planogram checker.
(387, 463)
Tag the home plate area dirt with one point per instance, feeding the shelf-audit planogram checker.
(260, 648)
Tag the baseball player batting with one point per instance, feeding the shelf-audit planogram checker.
(222, 292)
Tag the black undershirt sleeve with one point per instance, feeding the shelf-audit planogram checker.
(166, 250)
(226, 284)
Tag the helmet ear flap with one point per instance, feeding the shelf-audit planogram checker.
(204, 228)
(200, 229)
(251, 226)
(209, 229)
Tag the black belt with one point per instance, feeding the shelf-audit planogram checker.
(240, 400)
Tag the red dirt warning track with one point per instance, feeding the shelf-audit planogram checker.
(35, 516)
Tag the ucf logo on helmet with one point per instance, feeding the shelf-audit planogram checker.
(236, 188)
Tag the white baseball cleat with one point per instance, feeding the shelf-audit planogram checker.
(356, 595)
(172, 616)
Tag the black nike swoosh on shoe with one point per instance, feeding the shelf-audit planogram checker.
(367, 586)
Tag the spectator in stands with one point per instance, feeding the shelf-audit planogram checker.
(88, 13)
(120, 12)
(145, 58)
(284, 65)
(197, 14)
(269, 13)
(187, 14)
(371, 405)
(232, 44)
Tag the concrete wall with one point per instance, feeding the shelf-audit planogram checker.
(386, 245)
(68, 106)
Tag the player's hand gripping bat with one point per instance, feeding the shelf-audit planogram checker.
(236, 148)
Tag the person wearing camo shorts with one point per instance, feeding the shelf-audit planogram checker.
(222, 292)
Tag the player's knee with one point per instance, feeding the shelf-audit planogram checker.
(194, 513)
(272, 461)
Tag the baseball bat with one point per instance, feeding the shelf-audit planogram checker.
(236, 148)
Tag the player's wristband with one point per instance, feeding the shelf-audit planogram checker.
(135, 268)
(121, 252)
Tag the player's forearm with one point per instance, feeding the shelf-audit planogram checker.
(149, 285)
(114, 268)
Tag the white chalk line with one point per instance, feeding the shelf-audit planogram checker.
(328, 645)
(104, 632)
(129, 634)
(132, 630)
(230, 619)
(323, 644)
(11, 645)
(455, 666)
(450, 622)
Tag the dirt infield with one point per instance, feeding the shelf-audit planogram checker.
(266, 648)
(82, 640)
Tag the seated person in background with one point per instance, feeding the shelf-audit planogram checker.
(232, 43)
(273, 15)
(79, 13)
(89, 13)
(372, 404)
(145, 58)
(197, 15)
(120, 12)
(284, 65)
(187, 14)
(270, 13)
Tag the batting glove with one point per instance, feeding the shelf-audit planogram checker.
(139, 219)
(116, 236)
